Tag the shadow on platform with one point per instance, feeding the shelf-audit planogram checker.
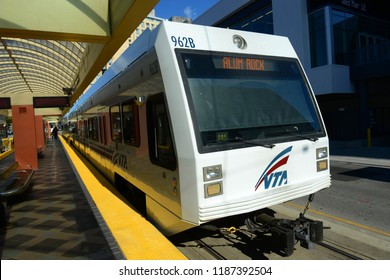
(54, 220)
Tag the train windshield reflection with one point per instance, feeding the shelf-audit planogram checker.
(248, 98)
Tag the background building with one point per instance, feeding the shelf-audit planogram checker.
(150, 22)
(344, 46)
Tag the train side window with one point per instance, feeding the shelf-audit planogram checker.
(130, 123)
(72, 127)
(85, 124)
(93, 129)
(115, 120)
(80, 128)
(161, 150)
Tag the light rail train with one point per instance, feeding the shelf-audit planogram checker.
(200, 123)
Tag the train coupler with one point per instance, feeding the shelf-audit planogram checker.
(308, 231)
(283, 234)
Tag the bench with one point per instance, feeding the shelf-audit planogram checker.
(14, 181)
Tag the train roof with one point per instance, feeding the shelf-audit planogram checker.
(131, 54)
(271, 45)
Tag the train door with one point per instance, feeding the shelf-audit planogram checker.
(85, 135)
(102, 142)
(102, 130)
(163, 174)
(161, 149)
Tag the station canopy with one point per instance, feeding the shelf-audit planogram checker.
(38, 67)
(57, 47)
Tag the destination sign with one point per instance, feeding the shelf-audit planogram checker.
(243, 63)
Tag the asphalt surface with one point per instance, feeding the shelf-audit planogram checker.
(360, 189)
(356, 206)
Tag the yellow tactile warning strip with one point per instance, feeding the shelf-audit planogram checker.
(6, 154)
(136, 237)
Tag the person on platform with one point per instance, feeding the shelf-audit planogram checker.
(54, 132)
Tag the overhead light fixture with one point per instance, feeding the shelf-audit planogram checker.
(140, 100)
(68, 91)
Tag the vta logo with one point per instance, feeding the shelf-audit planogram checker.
(120, 160)
(270, 176)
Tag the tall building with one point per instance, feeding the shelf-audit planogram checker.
(344, 46)
(150, 22)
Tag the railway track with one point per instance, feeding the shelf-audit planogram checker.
(346, 252)
(234, 247)
(210, 250)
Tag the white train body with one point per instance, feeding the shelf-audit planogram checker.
(245, 129)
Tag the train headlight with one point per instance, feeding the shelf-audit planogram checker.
(239, 42)
(212, 173)
(322, 158)
(322, 165)
(322, 153)
(213, 189)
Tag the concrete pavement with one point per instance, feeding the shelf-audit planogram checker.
(354, 152)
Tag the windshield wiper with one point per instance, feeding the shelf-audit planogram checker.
(269, 146)
(299, 134)
(306, 137)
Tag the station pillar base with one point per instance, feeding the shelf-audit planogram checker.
(25, 142)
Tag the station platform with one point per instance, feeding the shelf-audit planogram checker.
(71, 213)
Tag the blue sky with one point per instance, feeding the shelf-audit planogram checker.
(185, 8)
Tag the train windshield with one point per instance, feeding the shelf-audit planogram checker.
(240, 100)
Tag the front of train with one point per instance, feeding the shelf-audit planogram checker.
(259, 134)
(260, 139)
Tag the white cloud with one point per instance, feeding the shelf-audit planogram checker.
(189, 12)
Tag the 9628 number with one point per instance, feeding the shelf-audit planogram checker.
(183, 42)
